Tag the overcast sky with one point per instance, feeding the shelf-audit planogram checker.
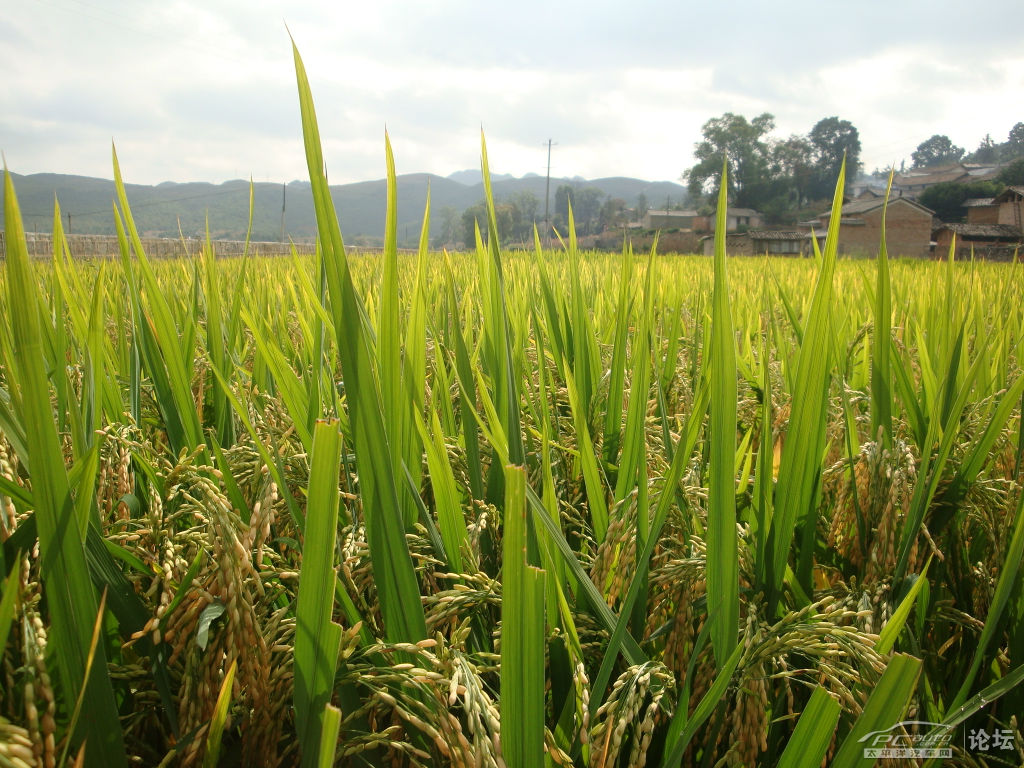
(205, 91)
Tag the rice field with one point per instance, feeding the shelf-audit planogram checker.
(546, 507)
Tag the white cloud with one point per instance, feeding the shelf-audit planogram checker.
(205, 91)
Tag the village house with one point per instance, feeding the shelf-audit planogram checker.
(737, 219)
(993, 230)
(982, 210)
(655, 219)
(1011, 207)
(908, 227)
(912, 183)
(736, 244)
(993, 242)
(775, 242)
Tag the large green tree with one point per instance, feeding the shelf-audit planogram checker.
(563, 199)
(947, 199)
(1014, 146)
(1012, 174)
(987, 151)
(642, 206)
(833, 139)
(792, 161)
(524, 215)
(936, 151)
(586, 209)
(743, 143)
(476, 216)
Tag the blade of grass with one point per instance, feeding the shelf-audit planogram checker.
(596, 501)
(220, 716)
(68, 588)
(881, 342)
(395, 577)
(803, 451)
(813, 733)
(522, 635)
(722, 553)
(885, 708)
(893, 627)
(1004, 586)
(329, 736)
(166, 349)
(317, 637)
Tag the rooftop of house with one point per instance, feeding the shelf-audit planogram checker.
(1010, 194)
(867, 204)
(673, 212)
(779, 234)
(927, 179)
(978, 202)
(983, 231)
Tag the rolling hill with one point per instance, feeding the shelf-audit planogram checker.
(162, 209)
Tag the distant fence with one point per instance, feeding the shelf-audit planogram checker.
(40, 245)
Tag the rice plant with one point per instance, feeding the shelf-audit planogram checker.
(504, 508)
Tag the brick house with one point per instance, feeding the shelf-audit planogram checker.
(981, 210)
(776, 242)
(1011, 207)
(736, 244)
(908, 227)
(738, 218)
(993, 230)
(995, 242)
(655, 219)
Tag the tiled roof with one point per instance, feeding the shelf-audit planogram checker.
(873, 203)
(779, 234)
(655, 212)
(927, 179)
(987, 231)
(1007, 195)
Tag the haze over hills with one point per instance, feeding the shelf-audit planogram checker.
(160, 210)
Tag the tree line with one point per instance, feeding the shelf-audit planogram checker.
(593, 212)
(781, 176)
(774, 176)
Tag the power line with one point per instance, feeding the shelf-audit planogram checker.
(547, 189)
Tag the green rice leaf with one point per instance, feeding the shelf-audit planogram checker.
(1005, 585)
(804, 449)
(220, 716)
(881, 341)
(317, 637)
(68, 588)
(393, 570)
(329, 736)
(522, 635)
(893, 627)
(722, 553)
(885, 708)
(813, 733)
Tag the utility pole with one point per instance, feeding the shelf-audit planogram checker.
(547, 193)
(284, 193)
(69, 222)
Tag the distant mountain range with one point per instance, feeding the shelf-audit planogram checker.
(160, 210)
